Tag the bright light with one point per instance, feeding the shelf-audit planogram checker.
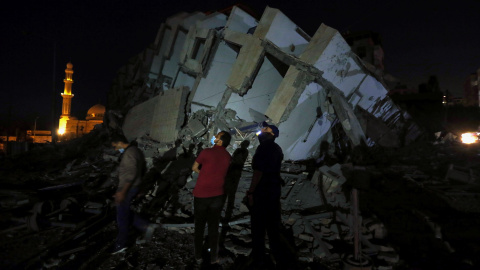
(258, 132)
(469, 137)
(61, 131)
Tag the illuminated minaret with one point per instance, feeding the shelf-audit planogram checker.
(67, 99)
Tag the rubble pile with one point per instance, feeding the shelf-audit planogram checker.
(406, 210)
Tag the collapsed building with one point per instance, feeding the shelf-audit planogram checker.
(206, 72)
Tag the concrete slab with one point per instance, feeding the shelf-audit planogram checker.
(138, 120)
(281, 31)
(240, 21)
(169, 114)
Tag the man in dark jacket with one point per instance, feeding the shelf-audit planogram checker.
(264, 197)
(130, 172)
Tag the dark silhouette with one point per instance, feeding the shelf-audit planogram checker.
(233, 177)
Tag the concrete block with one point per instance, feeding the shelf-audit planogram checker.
(298, 228)
(326, 230)
(306, 237)
(390, 257)
(306, 257)
(458, 174)
(243, 208)
(169, 115)
(239, 250)
(236, 227)
(292, 219)
(387, 249)
(333, 178)
(320, 252)
(316, 178)
(298, 242)
(240, 21)
(380, 232)
(302, 195)
(248, 62)
(245, 238)
(138, 120)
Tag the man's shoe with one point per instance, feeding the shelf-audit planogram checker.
(118, 250)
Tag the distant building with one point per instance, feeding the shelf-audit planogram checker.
(67, 99)
(470, 89)
(402, 91)
(10, 138)
(368, 46)
(69, 126)
(40, 136)
(77, 128)
(452, 101)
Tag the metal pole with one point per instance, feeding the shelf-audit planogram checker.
(356, 229)
(53, 93)
(35, 129)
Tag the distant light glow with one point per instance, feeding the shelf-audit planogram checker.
(62, 125)
(258, 132)
(469, 137)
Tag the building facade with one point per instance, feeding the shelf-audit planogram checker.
(367, 46)
(470, 89)
(77, 128)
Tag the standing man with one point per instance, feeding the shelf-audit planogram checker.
(264, 197)
(208, 193)
(130, 172)
(233, 177)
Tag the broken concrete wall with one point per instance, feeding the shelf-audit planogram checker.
(160, 117)
(169, 114)
(138, 120)
(240, 71)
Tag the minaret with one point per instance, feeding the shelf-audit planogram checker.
(67, 99)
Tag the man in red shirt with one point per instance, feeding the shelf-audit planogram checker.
(208, 193)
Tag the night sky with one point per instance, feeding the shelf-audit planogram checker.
(420, 38)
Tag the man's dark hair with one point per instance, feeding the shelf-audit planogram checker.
(118, 138)
(226, 138)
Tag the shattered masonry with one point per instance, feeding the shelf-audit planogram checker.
(217, 71)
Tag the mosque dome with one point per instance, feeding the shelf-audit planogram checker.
(69, 65)
(96, 112)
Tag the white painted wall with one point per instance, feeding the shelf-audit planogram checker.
(184, 80)
(240, 21)
(294, 131)
(171, 65)
(260, 95)
(341, 70)
(213, 21)
(210, 89)
(283, 33)
(372, 91)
